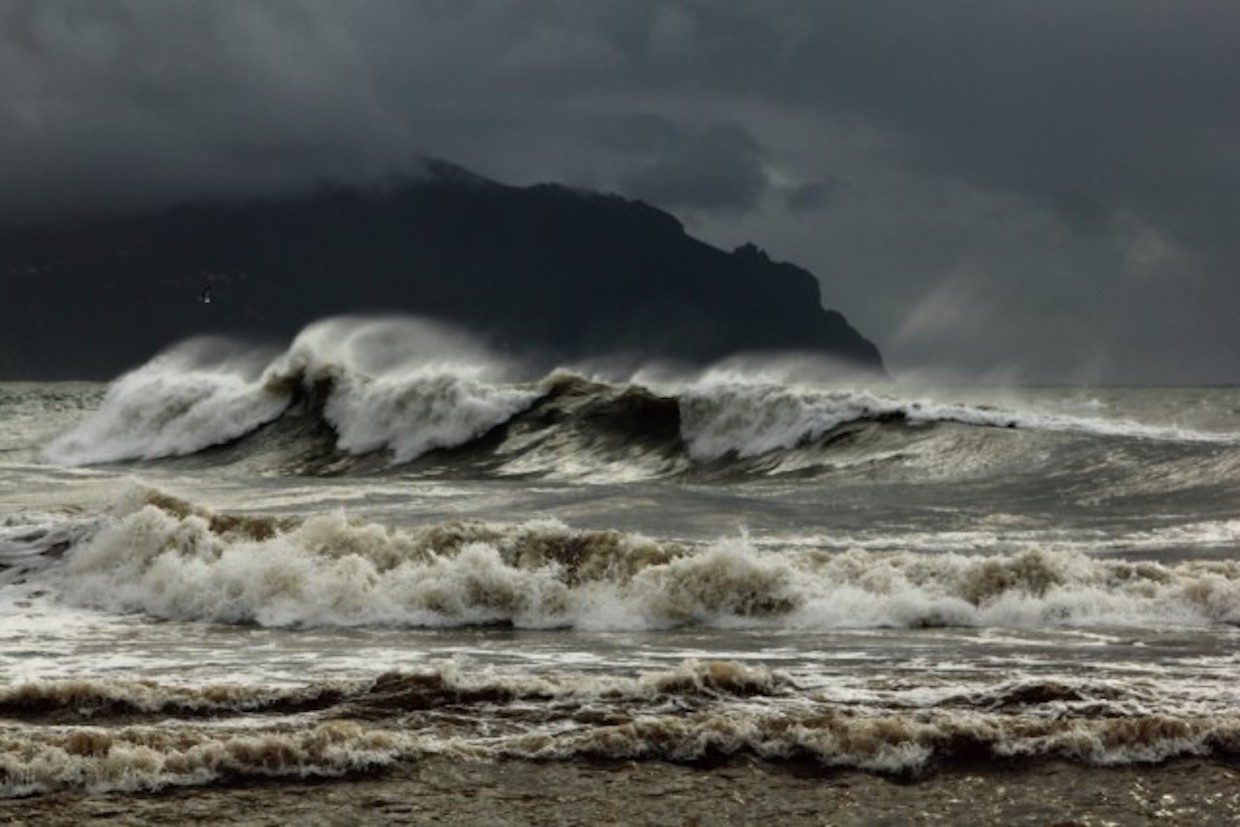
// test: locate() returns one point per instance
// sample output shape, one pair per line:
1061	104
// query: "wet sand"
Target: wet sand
743	792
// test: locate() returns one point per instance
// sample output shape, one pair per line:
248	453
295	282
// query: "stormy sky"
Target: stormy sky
1044	190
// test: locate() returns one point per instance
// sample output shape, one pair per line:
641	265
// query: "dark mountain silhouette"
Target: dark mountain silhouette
546	267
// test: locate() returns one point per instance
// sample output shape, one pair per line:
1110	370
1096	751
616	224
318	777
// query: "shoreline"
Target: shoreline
743	791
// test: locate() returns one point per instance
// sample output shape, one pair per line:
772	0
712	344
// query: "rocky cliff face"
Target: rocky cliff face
546	267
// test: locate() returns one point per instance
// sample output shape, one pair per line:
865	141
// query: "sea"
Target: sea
389	542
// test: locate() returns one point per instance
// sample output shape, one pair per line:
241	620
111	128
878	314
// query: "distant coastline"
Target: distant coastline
543	268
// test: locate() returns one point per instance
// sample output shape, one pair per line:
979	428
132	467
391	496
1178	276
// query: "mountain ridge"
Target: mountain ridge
544	267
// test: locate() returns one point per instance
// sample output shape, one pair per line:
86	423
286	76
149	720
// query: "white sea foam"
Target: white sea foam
406	386
723	413
1205	534
133	759
540	718
885	743
170	562
106	698
199	394
148	758
28	540
416	412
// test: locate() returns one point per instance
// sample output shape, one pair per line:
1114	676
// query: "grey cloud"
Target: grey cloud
1083	159
1084	214
718	167
816	195
108	104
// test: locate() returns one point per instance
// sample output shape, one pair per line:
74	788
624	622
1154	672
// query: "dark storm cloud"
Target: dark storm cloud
1045	187
816	195
718	167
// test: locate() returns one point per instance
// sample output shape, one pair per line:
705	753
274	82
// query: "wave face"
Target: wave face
402	386
367	395
169	559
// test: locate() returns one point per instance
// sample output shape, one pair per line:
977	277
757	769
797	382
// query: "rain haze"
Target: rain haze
991	191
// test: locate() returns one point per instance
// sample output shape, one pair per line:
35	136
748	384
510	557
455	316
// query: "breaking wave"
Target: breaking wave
348	392
167	558
105	699
897	744
181	402
148	758
404	387
375	725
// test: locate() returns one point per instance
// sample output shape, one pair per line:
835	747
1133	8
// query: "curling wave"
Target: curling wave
404	387
347	392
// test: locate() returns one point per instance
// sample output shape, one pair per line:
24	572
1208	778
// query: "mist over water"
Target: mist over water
387	541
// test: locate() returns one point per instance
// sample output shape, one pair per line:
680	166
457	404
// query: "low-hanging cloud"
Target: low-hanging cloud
717	167
1085	156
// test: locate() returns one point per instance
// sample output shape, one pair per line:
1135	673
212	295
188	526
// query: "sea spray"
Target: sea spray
196	395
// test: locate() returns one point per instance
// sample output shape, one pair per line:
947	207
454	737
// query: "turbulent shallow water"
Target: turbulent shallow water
386	543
